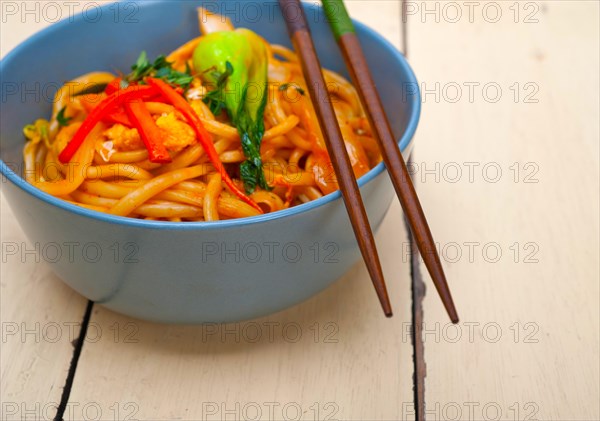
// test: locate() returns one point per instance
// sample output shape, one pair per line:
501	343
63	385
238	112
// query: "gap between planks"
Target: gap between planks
418	288
418	291
77	347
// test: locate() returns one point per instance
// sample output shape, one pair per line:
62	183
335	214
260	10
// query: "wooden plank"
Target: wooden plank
382	15
334	355
40	316
348	362
527	345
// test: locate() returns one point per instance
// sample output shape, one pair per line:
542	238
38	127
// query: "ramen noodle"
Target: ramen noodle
196	135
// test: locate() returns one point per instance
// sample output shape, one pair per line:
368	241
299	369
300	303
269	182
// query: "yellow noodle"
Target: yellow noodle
182	196
183	53
278	73
106	176
64	95
284	52
298	139
311	193
32	171
299	178
118	170
279	142
147	165
234	208
282	128
204	110
134	199
339	86
91	199
108	190
274	111
269	200
184	159
121	157
49	163
75	170
159	107
296	155
164	209
91	207
213	190
231	207
229	157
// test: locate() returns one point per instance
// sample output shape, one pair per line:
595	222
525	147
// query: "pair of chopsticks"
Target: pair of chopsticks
343	30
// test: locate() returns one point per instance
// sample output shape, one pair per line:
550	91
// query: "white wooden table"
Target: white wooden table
507	166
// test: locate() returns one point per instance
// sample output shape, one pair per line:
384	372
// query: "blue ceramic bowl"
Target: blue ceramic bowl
187	272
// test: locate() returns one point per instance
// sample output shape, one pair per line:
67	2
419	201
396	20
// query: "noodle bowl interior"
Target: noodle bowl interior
198	135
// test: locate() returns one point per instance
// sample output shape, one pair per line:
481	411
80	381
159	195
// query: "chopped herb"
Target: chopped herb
287	85
95	88
251	170
215	99
161	68
140	69
60	117
38	132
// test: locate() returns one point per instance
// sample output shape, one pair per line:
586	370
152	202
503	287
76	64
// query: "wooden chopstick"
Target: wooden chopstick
311	68
354	57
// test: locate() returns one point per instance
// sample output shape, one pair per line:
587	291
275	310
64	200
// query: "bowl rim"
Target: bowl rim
404	142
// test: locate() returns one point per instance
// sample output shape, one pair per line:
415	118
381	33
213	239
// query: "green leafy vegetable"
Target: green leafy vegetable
235	62
215	99
161	68
39	131
61	119
285	86
95	88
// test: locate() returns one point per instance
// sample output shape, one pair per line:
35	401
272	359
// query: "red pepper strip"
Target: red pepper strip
90	101
149	131
118	117
117	84
138	114
98	113
203	135
113	86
